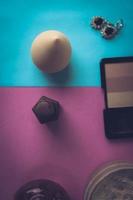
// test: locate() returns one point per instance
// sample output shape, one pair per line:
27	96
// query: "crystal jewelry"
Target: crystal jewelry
111	30
107	29
98	22
119	24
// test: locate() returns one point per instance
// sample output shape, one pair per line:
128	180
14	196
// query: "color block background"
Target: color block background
22	20
67	151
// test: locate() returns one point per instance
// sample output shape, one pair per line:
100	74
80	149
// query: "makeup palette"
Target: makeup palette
117	82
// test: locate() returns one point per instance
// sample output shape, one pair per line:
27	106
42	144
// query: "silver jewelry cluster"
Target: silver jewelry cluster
108	30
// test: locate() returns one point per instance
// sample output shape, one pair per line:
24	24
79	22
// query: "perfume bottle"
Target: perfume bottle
41	190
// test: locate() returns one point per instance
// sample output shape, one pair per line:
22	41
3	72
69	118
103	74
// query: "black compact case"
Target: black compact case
118	121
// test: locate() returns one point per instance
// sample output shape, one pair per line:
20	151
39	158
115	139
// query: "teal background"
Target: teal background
21	21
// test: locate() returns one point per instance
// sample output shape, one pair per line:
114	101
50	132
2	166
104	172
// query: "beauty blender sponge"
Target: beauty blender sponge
51	51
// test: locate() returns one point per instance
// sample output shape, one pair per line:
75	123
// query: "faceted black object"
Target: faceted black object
41	190
46	110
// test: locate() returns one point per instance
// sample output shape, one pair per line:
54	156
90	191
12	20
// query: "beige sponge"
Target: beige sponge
51	51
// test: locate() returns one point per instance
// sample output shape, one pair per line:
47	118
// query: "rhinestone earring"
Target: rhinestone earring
107	29
98	22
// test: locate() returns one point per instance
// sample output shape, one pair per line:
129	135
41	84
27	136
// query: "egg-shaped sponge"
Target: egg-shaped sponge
51	51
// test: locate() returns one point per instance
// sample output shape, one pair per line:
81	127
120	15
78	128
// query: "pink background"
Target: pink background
66	151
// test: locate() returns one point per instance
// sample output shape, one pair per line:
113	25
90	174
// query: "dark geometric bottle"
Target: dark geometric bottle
41	190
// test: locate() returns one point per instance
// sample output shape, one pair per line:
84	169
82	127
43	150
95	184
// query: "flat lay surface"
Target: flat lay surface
70	149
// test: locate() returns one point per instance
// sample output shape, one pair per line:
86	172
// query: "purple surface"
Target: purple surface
66	151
